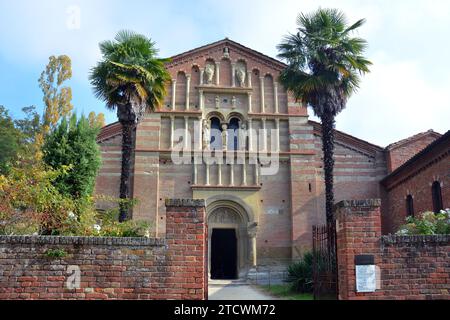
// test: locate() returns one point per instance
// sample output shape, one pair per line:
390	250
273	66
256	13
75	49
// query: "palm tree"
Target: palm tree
324	67
131	80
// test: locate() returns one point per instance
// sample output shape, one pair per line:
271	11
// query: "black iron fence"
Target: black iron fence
325	262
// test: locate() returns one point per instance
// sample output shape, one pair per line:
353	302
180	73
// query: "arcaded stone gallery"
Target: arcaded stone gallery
266	192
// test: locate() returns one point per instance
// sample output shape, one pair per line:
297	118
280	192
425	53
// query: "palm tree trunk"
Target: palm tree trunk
328	124
127	145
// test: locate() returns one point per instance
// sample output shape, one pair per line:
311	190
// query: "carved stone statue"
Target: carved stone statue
233	102
209	73
206	134
224	136
226	52
241	75
217	100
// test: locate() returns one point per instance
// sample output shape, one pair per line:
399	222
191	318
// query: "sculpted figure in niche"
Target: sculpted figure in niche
224	136
209	73
217	102
226	52
241	75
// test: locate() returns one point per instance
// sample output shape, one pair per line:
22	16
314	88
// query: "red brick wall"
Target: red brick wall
416	180
398	155
415	267
112	268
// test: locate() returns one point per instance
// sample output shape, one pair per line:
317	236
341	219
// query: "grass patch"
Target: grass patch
284	292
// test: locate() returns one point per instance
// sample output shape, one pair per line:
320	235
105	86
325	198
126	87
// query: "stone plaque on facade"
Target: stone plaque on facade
366	278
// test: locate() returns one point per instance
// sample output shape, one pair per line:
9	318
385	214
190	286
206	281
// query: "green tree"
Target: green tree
57	97
10	138
325	63
73	144
96	120
131	79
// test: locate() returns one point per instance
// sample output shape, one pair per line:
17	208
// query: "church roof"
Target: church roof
413	138
228	42
350	140
409	166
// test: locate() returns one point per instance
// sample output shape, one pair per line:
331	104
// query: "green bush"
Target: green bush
31	204
428	223
300	274
73	144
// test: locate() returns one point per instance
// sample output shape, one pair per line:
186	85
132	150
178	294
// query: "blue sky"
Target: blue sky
407	92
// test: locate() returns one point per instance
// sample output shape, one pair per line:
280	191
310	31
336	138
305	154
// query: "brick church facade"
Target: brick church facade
265	218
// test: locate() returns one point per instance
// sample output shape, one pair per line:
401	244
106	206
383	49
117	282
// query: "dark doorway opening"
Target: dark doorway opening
224	254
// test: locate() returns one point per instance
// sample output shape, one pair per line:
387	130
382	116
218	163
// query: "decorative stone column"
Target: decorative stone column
275	96
186	133
263	102
231	175
202	99
244	173
172	129
188	90
277	136
195	174
257	174
249	94
249	78
200	130
174	93
233	74
207	175
252	231
250	135
219	174
217	73
264	131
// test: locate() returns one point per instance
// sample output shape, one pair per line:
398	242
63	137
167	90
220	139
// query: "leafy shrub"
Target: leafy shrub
31	204
427	223
300	274
73	144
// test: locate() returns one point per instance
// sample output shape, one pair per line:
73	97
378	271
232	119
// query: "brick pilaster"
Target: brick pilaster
358	233
187	247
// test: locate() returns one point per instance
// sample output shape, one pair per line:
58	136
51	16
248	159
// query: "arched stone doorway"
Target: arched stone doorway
231	240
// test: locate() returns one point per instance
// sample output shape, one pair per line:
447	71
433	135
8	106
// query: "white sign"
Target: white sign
366	278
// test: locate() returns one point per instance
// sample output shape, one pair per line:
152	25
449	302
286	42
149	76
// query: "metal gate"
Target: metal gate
325	262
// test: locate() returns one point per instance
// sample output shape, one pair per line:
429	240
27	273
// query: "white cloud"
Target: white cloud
395	102
406	92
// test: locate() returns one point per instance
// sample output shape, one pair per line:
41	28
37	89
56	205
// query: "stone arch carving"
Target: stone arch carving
216	114
230	212
235	114
233	202
224	215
